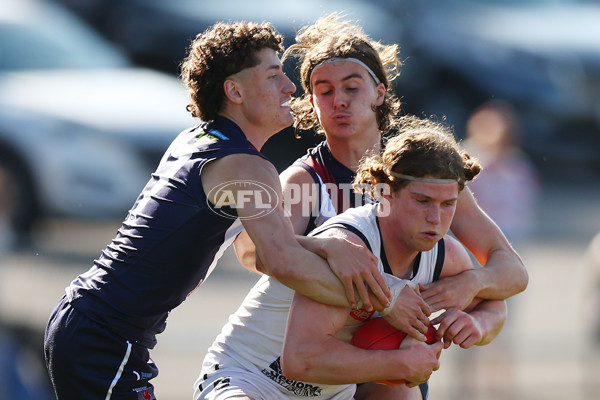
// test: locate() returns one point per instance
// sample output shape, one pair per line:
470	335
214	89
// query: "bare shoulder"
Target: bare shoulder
342	233
295	175
456	259
239	167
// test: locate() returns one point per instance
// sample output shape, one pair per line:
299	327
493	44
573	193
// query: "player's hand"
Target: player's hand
356	266
458	327
410	314
457	291
423	359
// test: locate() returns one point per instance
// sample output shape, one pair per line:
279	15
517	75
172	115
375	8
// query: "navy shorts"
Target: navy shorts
85	360
424	387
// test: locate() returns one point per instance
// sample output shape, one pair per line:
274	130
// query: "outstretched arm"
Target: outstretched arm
503	274
272	233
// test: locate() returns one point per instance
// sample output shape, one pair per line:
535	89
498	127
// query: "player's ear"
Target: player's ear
233	91
380	94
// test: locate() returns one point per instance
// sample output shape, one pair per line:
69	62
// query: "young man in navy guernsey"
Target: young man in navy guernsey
205	189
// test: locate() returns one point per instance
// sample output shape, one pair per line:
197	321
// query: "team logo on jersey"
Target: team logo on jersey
211	135
361	314
145	393
251	199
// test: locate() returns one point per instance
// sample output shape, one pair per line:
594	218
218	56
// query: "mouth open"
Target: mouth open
430	235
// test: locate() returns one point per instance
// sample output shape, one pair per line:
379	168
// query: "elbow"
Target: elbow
302	360
525	278
497	324
296	367
523	281
259	265
502	314
282	268
296	371
249	261
520	273
246	253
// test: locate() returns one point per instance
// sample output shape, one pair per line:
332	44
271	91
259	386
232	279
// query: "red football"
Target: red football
378	334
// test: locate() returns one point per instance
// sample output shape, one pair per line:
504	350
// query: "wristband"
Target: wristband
396	288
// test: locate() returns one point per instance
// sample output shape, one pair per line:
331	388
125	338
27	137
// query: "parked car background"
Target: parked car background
156	33
58	79
543	56
81	127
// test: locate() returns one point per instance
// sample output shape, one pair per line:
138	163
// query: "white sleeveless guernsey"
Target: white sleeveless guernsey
253	337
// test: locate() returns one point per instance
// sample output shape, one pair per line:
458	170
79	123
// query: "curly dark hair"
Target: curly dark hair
421	148
222	50
330	37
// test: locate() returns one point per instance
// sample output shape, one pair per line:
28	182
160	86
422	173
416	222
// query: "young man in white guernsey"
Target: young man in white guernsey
254	358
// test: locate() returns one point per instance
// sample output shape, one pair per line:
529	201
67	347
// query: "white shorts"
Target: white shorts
230	381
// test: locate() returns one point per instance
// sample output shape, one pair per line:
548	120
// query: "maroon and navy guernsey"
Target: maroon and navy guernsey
168	244
330	175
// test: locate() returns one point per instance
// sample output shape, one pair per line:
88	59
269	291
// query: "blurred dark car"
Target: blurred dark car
157	32
81	128
543	56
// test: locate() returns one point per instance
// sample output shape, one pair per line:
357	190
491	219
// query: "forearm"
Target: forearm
502	276
306	273
246	252
337	362
313	244
317	349
352	263
491	315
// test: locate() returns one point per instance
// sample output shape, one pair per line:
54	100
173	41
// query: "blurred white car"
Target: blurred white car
81	128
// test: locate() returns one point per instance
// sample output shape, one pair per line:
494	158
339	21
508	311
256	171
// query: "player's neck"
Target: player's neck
257	135
400	256
349	151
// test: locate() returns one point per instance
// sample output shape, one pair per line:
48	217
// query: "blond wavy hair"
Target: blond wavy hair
331	37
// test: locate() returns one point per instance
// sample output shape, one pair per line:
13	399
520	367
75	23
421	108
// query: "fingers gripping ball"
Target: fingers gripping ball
378	334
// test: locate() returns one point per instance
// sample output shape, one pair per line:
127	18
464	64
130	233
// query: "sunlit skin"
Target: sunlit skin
262	93
344	95
420	214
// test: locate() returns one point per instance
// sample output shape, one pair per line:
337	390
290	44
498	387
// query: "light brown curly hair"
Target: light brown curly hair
222	50
330	37
421	148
